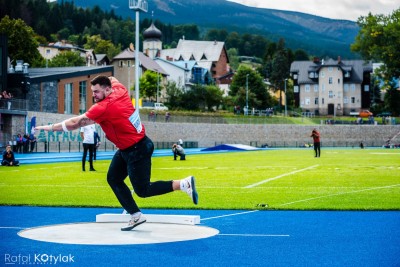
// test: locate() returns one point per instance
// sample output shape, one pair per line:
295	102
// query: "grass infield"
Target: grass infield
342	179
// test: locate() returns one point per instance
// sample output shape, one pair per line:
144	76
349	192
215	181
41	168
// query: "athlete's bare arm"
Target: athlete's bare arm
68	124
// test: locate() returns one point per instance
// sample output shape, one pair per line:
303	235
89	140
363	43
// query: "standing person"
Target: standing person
87	134
20	143
317	143
122	125
96	144
32	141
8	158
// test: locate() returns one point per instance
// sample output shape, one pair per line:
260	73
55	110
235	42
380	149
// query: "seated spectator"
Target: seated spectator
178	151
8	158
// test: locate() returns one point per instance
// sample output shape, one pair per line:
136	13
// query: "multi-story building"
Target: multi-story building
331	87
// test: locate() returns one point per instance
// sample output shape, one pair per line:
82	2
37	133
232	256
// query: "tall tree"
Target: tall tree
280	69
22	44
249	82
379	40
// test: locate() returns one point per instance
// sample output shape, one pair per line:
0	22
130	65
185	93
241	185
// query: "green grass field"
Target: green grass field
342	179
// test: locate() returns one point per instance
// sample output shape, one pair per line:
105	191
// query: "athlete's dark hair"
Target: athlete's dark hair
101	80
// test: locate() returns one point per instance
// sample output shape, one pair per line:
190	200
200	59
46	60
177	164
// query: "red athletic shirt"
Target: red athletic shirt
116	116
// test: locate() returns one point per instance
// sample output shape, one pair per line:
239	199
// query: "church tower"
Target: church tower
152	44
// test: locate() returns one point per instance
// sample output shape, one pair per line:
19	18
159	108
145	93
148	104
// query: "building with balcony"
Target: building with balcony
331	87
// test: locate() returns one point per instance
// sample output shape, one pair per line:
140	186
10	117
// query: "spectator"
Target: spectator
8	158
20	143
167	116
97	143
32	141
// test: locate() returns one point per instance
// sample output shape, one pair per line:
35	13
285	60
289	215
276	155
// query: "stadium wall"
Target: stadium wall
273	135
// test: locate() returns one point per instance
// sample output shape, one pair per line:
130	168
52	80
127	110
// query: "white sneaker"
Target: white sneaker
190	189
136	219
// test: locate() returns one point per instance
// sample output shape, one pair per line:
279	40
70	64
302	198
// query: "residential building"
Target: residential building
124	68
51	50
178	73
210	55
331	87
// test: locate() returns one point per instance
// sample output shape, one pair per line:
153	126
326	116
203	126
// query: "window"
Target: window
353	87
323	101
338	80
316	101
82	97
322	74
120	63
330	94
346	87
315	87
68	98
366	88
353	100
296	89
330	69
345	100
307	101
307	88
323	87
330	80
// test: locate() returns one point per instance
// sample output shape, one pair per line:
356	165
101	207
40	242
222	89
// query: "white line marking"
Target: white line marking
280	176
338	194
255	235
228	215
3	227
55	185
182	168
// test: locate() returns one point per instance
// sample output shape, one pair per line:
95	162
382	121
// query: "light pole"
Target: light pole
247	94
158	85
137	5
285	99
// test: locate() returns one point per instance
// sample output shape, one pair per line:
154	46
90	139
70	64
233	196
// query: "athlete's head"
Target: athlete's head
101	87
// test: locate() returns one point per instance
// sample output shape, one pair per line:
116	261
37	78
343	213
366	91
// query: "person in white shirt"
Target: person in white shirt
87	134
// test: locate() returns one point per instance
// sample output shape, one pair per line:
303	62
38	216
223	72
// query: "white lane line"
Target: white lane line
338	194
55	185
228	215
280	176
255	235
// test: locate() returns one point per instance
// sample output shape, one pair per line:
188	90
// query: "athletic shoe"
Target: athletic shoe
134	221
190	189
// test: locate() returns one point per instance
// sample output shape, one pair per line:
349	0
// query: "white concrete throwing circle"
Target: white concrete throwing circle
110	233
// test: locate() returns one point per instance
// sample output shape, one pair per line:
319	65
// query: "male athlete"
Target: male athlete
122	126
317	142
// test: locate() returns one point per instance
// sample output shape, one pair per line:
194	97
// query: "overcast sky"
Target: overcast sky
337	9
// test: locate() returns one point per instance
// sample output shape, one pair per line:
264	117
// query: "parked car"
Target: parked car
156	106
365	113
384	114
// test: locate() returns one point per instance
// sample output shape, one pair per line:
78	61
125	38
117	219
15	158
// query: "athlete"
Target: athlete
114	112
317	143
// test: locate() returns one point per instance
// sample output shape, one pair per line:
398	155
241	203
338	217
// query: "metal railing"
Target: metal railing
14	104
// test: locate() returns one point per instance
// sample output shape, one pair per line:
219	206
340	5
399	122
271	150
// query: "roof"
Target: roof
145	61
50	74
356	67
195	50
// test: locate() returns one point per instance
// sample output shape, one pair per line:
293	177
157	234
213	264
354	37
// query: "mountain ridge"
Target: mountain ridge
317	35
